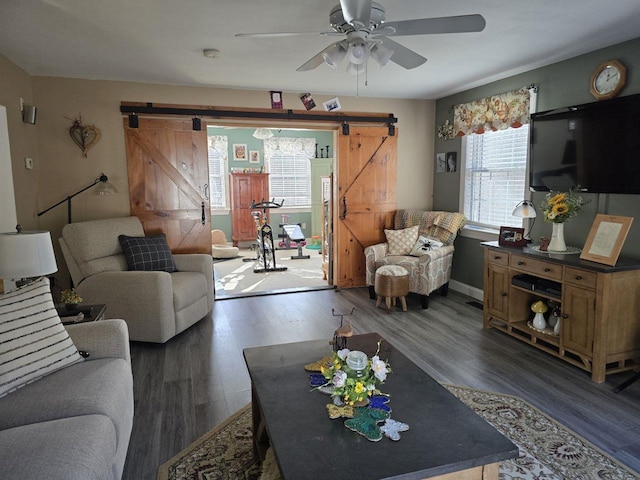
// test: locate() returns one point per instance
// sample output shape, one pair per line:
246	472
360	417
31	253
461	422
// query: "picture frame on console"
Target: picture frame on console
606	238
512	237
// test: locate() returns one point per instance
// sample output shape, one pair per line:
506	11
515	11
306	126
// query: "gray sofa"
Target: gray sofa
74	423
156	305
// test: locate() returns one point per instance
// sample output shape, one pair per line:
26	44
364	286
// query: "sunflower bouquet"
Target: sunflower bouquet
560	207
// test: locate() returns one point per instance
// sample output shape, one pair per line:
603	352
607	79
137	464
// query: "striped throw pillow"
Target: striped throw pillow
33	341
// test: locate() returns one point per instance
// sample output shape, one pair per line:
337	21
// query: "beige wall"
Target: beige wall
60	169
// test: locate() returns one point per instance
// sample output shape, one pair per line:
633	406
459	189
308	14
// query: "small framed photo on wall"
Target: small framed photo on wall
254	156
441	162
452	161
240	153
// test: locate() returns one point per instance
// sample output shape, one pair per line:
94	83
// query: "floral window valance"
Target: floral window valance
289	146
493	113
219	143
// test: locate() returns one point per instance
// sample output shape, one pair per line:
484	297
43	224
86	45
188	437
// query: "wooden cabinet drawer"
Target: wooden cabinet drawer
497	257
537	267
580	277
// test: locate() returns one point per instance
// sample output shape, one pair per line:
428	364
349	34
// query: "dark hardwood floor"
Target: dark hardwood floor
193	382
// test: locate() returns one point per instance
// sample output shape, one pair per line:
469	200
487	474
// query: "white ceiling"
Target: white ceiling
161	41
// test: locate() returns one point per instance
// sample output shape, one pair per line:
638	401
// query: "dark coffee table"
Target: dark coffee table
446	438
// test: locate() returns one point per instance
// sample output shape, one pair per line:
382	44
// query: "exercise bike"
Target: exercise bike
265	251
292	237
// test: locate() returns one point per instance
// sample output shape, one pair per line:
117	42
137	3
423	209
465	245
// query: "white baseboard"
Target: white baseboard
468	290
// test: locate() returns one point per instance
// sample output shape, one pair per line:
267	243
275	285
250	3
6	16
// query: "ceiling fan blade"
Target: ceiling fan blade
282	34
357	12
318	59
402	55
427	26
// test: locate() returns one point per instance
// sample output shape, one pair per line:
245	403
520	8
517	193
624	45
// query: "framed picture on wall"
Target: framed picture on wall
452	161
254	156
441	162
240	153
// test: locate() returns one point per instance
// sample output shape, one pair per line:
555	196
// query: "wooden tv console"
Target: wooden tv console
599	305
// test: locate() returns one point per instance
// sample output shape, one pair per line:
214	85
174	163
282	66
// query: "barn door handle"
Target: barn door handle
344	208
204	217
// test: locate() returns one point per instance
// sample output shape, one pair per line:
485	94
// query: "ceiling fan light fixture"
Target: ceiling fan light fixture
334	56
356	68
358	53
262	133
381	54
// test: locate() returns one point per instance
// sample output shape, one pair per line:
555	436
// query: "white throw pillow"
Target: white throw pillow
33	341
402	241
425	245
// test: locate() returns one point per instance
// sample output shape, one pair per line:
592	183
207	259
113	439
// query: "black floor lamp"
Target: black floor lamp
106	188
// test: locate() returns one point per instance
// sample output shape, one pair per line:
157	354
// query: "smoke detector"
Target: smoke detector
211	52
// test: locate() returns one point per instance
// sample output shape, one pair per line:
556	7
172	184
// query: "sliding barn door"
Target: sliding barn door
168	182
365	198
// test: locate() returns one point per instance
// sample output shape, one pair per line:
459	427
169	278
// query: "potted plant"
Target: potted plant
71	299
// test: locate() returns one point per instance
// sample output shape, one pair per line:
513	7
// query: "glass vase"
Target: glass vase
557	239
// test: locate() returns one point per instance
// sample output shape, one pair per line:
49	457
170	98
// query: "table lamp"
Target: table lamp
525	209
25	255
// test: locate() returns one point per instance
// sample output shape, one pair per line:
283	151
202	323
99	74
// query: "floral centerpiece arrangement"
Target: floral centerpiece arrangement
354	377
560	207
70	298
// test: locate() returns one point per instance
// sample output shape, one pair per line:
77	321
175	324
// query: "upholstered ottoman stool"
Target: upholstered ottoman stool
391	282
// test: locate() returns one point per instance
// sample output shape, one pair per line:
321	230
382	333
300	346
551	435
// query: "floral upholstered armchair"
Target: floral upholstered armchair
421	242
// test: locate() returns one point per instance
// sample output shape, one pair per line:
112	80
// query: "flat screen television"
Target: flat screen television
595	146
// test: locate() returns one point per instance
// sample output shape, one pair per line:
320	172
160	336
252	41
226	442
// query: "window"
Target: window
290	169
218	145
494	176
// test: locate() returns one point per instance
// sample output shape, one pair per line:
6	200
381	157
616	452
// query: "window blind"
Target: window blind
217	159
495	167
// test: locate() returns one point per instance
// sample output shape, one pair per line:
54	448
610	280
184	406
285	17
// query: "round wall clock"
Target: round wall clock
608	80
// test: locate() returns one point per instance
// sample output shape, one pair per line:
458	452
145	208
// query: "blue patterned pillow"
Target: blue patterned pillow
147	253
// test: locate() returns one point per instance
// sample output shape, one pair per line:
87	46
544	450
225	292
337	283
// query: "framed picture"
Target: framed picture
307	101
606	238
276	99
452	161
512	237
254	156
332	105
441	162
240	153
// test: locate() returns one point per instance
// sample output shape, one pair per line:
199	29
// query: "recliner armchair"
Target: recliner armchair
156	305
429	271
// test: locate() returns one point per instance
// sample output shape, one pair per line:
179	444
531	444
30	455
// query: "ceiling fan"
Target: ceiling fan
363	24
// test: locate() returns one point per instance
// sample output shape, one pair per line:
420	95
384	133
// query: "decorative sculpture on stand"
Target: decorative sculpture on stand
343	332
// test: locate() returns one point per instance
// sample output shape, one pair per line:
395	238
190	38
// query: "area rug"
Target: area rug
548	450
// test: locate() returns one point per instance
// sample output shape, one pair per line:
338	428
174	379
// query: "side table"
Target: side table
91	313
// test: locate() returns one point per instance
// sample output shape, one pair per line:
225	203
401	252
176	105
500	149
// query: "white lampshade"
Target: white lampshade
355	69
525	209
358	53
26	255
381	54
334	55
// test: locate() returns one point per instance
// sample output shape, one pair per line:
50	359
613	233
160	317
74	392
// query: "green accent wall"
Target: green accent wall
560	84
244	136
